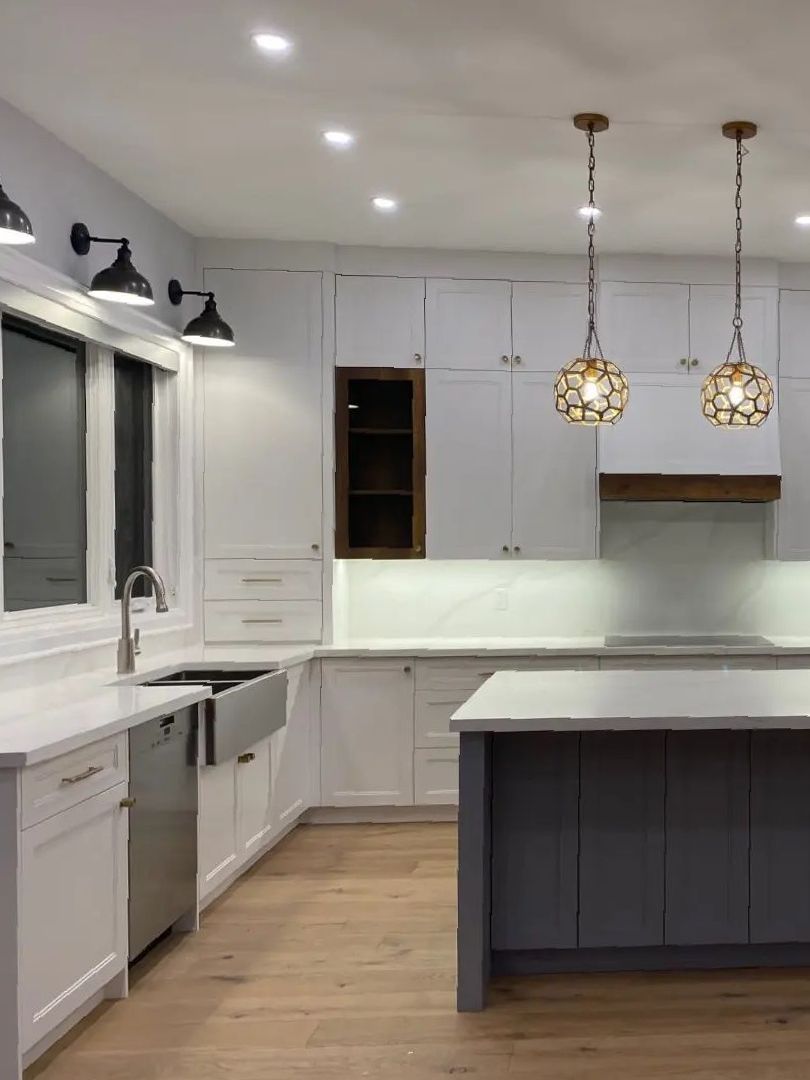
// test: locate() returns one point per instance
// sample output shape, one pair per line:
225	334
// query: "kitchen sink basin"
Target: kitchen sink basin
245	706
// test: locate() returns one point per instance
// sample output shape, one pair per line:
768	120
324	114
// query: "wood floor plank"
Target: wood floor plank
334	959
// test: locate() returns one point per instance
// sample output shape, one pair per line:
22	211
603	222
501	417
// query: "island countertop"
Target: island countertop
678	700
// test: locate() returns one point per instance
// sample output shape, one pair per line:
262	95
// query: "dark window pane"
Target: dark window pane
44	497
133	470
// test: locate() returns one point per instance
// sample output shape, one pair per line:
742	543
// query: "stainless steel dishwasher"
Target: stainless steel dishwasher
162	825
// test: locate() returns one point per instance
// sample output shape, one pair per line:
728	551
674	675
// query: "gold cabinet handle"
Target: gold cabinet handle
128	803
316	547
59	580
517	360
261	580
694	362
504	359
505	548
683	361
77	779
407	669
249	622
417	358
245	759
516	549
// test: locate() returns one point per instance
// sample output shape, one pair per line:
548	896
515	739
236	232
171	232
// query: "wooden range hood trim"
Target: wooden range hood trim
675	487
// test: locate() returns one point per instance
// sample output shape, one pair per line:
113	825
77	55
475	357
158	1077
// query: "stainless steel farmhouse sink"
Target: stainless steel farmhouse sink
245	706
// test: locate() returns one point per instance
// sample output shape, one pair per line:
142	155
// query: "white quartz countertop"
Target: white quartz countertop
637	700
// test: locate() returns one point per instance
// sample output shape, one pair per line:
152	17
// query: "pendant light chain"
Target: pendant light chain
737	321
592	338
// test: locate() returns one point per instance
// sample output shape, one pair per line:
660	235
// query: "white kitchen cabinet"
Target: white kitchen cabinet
263	419
554	495
549	321
711	308
794	334
257	621
254	785
73	910
645	327
468	324
293	787
367	733
664	431
793	509
433	710
379	321
469	464
435	777
218	830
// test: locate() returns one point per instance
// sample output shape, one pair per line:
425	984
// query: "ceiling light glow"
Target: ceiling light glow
272	43
590	211
340	139
803	220
384	203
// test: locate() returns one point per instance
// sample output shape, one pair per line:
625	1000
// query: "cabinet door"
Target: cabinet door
793	509
548	324
535	805
664	430
468	434
254	783
435	777
380	321
292	763
780	825
219	854
794	334
73	930
367	733
645	327
553	476
707	837
263	419
711	308
468	324
621	865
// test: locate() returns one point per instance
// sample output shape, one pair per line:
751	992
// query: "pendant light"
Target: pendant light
590	389
209	330
737	394
15	225
120	283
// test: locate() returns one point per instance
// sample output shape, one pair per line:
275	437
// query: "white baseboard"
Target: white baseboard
377	815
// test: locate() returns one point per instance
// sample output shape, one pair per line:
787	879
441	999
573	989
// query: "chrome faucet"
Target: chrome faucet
126	643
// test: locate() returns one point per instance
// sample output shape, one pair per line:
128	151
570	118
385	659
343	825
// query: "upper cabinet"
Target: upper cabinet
468	324
263	419
380	321
710	312
794	334
549	320
645	327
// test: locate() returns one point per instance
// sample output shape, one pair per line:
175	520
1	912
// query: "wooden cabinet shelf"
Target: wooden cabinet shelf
380	463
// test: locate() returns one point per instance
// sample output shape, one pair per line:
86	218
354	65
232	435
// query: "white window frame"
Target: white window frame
40	295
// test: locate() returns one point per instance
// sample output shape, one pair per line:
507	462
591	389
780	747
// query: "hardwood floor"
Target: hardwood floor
334	959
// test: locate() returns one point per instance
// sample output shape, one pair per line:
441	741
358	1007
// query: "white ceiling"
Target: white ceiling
461	107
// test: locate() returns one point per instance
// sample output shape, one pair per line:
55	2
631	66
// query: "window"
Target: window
133	470
44	461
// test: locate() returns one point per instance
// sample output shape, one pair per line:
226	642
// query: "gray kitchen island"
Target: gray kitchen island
632	820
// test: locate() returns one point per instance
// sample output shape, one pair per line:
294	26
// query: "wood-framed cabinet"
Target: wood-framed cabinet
379	463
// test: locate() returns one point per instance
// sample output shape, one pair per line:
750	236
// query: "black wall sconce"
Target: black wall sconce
15	226
209	330
120	283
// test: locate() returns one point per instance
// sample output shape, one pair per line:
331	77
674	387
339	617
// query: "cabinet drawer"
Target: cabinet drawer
262	620
432	717
435	777
469	673
262	579
56	785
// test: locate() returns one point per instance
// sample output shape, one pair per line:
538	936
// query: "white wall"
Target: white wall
666	568
57	186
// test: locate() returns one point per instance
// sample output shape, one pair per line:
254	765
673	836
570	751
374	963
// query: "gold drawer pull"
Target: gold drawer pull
59	580
127	804
77	779
262	580
250	622
245	759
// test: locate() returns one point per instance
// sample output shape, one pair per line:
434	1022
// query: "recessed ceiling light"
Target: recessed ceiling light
803	220
340	139
272	43
384	202
590	211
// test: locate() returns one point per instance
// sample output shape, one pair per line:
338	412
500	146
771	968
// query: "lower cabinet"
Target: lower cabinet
295	751
73	932
367	733
435	777
218	825
254	785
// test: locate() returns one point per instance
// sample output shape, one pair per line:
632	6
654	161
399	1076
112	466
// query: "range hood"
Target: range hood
664	450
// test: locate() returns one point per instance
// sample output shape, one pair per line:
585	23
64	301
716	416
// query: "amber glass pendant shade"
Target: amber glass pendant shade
737	394
591	391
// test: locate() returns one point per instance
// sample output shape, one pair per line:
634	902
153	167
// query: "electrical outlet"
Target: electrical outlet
502	599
